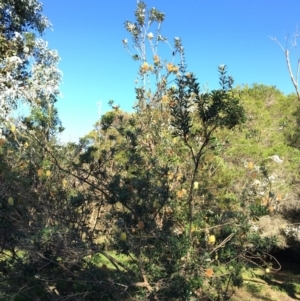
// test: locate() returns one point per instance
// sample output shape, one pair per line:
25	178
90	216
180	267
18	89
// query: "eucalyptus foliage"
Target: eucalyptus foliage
29	70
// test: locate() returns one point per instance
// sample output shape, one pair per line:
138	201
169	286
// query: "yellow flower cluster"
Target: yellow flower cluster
123	236
146	67
165	98
172	68
250	165
181	193
211	239
40	173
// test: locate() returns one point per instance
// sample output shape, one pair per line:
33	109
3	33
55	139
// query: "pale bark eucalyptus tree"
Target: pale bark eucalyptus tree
29	76
291	43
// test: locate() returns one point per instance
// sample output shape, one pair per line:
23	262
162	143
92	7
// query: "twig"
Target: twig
228	238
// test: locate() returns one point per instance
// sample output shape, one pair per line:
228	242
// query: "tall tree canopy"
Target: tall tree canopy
28	69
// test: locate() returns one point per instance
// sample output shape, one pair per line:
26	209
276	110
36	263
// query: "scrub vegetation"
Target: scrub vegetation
189	197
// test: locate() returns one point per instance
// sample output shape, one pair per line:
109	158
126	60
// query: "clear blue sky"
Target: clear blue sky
88	36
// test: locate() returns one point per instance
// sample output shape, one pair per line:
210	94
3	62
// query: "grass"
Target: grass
254	288
283	285
103	261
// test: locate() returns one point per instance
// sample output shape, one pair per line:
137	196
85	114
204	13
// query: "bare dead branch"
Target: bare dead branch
286	51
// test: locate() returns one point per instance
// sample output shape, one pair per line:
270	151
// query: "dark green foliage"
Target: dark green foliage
182	101
258	210
107	120
219	107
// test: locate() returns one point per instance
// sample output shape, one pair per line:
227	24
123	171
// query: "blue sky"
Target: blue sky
88	36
